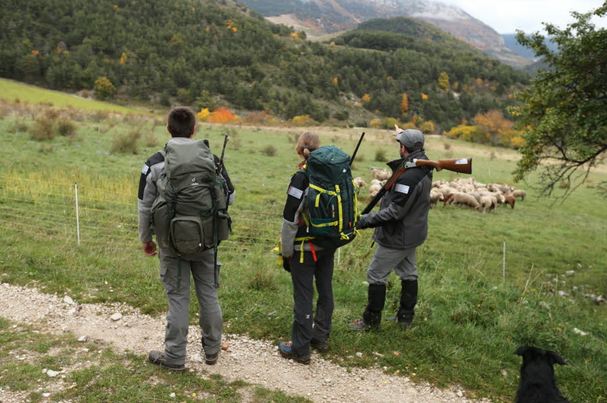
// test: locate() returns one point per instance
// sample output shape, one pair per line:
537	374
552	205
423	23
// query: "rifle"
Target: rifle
356	149
463	165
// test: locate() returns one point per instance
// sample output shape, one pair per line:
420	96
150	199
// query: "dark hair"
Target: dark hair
181	122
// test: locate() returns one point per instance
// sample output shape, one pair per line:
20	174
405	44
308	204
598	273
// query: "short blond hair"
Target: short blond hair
306	143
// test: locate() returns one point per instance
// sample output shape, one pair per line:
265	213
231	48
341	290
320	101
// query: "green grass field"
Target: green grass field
15	91
470	317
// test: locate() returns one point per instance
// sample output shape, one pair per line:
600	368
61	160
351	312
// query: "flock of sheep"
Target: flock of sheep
464	192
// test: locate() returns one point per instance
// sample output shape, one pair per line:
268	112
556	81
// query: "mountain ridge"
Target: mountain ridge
318	17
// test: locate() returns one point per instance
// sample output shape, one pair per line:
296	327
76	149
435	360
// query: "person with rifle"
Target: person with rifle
318	217
184	189
401	225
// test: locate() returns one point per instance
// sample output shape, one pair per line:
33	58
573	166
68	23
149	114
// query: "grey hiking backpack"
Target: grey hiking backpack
190	214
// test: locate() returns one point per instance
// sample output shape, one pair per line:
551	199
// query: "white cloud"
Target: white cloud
505	16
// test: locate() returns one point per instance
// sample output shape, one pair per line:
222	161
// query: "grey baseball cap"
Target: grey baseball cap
413	139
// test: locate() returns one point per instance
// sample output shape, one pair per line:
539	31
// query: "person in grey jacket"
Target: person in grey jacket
175	270
401	225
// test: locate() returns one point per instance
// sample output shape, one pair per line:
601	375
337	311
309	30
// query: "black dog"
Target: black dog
537	384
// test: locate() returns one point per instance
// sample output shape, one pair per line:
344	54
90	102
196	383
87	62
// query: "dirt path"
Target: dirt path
254	361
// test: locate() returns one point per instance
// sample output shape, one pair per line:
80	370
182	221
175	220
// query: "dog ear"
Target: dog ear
555	358
521	350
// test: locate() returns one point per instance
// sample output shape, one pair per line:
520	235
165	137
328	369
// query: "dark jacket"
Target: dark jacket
402	221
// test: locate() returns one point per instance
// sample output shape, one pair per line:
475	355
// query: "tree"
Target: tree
563	111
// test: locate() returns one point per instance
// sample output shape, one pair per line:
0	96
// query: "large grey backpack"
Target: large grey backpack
190	213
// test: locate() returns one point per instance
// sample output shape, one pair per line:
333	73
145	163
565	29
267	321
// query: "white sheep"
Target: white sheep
381	174
463	198
359	182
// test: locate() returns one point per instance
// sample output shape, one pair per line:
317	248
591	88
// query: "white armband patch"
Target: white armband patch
145	169
296	193
401	188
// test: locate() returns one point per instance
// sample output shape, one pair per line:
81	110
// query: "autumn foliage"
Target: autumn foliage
221	115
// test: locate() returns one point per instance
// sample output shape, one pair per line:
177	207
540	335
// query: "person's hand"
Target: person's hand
362	223
285	264
149	248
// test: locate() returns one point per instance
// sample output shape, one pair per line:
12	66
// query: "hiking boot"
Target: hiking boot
405	322
320	346
211	359
286	350
158	358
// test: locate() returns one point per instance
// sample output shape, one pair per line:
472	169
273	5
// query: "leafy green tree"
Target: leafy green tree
563	111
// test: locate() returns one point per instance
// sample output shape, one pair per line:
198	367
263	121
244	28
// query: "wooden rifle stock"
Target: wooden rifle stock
462	165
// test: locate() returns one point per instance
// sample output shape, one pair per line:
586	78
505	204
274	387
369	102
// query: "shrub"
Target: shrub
389	123
150	139
43	128
269	150
66	127
428	127
222	115
375	123
104	88
380	155
126	143
302	120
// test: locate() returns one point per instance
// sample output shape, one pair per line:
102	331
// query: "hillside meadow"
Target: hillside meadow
472	314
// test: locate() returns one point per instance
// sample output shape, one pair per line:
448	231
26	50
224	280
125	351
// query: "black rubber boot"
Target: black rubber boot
372	315
408	300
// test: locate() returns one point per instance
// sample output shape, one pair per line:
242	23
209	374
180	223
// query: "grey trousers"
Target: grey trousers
308	325
402	261
175	275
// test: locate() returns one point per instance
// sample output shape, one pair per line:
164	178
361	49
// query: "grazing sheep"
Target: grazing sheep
435	197
510	200
519	193
359	182
537	383
381	174
487	202
374	188
463	198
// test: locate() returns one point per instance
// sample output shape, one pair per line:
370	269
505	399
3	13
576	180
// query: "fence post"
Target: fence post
77	214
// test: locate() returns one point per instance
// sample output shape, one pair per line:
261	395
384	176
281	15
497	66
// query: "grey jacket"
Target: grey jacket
402	221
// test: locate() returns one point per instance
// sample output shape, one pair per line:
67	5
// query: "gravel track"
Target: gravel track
254	361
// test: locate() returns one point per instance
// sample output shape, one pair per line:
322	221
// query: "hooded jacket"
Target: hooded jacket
402	221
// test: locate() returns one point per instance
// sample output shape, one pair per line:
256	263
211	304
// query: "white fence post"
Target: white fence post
77	214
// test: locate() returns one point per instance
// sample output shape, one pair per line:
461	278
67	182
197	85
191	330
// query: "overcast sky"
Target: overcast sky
505	16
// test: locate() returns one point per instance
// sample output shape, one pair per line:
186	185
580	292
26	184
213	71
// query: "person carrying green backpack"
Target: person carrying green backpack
318	217
184	194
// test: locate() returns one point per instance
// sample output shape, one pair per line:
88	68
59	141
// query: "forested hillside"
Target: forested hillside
209	53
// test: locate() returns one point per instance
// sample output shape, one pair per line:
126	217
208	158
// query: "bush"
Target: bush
43	128
126	143
66	127
428	127
104	88
380	155
302	120
269	150
150	139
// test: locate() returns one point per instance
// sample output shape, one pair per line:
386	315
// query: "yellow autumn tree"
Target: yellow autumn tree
494	124
424	96
404	103
203	115
366	98
443	81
